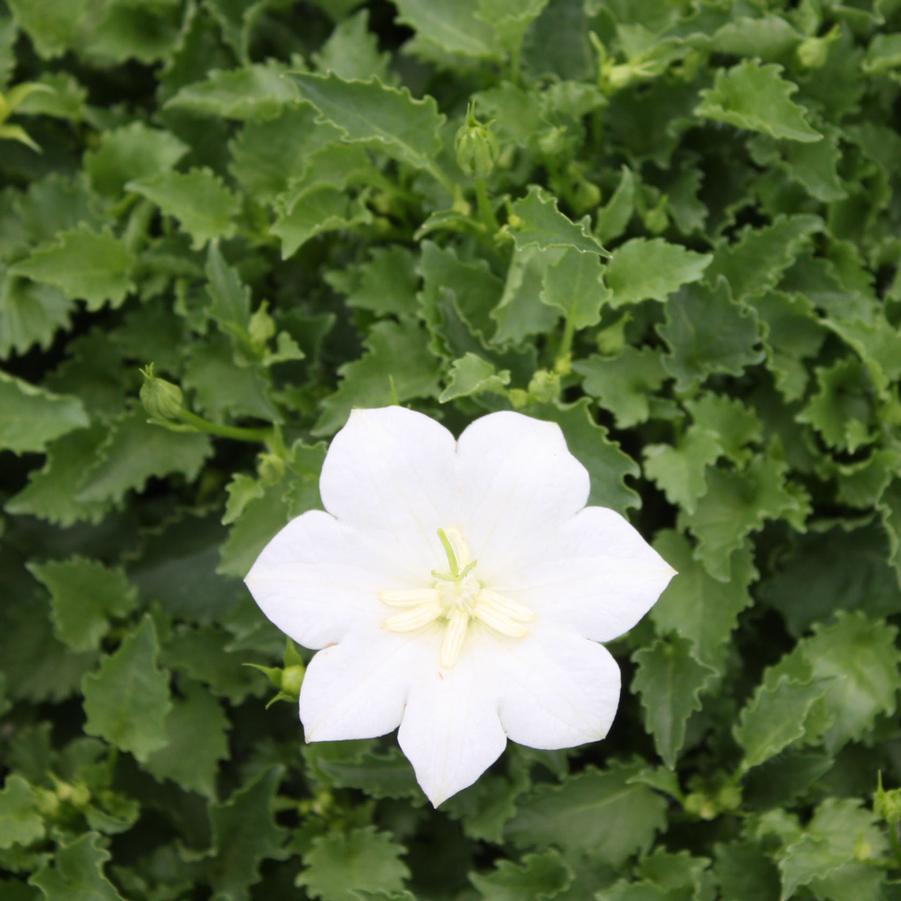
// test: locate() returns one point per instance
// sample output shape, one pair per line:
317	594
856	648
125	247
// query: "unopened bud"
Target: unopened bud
161	399
476	146
813	52
887	804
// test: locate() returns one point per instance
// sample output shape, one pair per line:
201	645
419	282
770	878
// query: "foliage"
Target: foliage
673	228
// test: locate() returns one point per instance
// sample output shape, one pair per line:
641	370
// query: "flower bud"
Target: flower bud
887	804
161	399
476	146
812	52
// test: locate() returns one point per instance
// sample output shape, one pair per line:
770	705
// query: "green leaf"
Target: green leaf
680	470
698	607
204	207
842	410
132	151
521	312
126	701
30	417
373	113
354	765
244	834
396	368
738	503
256	92
779	714
91	266
30	314
707	332
20	819
362	858
352	50
196	741
643	269
595	811
135	451
575	286
756	97
84	596
611	220
385	283
745	872
735	424
471	375
445	29
76	873
670	682
540	876
831	856
535	221
623	384
310	211
605	461
49	494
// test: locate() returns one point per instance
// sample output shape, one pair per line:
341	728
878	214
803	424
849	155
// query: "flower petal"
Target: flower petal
317	580
595	574
358	688
391	471
450	731
517	477
560	690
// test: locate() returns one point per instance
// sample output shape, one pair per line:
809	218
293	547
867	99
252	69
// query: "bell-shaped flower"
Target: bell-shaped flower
457	589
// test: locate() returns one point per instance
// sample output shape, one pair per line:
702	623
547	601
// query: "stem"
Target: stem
564	351
444	180
237	433
483	202
896	844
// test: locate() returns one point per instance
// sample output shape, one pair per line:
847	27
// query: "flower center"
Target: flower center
455	597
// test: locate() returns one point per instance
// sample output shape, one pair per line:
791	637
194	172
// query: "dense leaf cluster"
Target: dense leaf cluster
673	228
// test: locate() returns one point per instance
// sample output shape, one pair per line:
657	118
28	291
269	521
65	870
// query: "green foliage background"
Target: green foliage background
685	252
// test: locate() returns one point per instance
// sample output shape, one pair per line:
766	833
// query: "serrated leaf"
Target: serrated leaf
520	311
132	151
643	269
244	834
127	700
698	607
196	741
670	681
707	332
595	811
353	765
842	408
470	375
204	207
31	313
746	872
136	450
611	220
20	820
255	92
373	113
445	29
575	286
361	858
76	872
397	367
84	596
738	503
91	266
540	876
680	470
536	221
384	284
30	417
756	97
735	424
352	50
623	384
310	211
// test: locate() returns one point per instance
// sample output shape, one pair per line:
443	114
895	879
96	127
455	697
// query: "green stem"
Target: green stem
895	842
483	202
237	433
564	351
444	180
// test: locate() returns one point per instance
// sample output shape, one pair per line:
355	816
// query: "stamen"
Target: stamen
461	548
454	635
500	622
506	606
409	597
413	619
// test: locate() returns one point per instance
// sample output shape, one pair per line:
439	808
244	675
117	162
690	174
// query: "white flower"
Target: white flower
457	589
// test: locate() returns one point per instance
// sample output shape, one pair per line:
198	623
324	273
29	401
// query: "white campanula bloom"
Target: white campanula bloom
457	589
